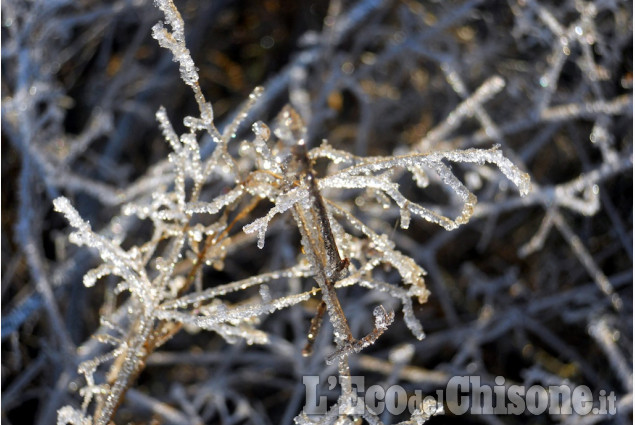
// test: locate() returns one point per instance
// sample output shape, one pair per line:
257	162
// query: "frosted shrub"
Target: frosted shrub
177	267
338	249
